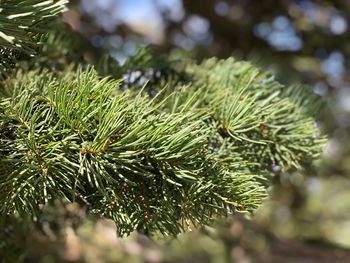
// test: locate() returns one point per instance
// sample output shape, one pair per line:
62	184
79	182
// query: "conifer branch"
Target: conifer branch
162	164
22	27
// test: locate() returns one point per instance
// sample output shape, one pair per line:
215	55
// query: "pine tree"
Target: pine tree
158	145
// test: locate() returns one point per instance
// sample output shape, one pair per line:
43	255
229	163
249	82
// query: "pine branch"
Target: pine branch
21	27
271	124
161	163
74	141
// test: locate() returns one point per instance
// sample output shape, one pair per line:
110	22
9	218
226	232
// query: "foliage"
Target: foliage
22	25
150	164
161	147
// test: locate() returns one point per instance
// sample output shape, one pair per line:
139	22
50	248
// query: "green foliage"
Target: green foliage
271	124
22	27
162	164
159	153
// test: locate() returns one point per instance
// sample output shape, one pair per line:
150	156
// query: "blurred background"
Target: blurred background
300	41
